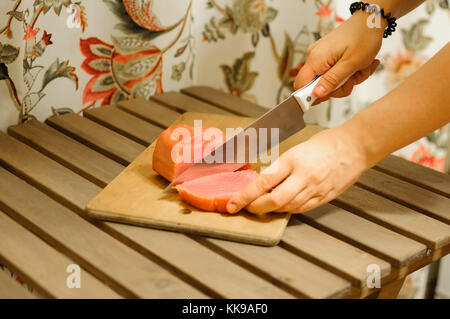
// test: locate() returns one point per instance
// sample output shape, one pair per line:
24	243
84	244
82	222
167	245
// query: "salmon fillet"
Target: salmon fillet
212	192
166	166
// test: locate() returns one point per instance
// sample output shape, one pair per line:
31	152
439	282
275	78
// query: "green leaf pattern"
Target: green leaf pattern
8	53
414	38
59	70
238	77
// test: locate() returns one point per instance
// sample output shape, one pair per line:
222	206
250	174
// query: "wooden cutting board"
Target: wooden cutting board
135	197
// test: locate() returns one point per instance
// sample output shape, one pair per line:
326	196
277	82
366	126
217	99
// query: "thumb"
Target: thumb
332	79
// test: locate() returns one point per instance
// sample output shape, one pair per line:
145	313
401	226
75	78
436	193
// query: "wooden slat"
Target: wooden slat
221	275
330	253
399	250
418	226
416	174
150	111
79	158
17	156
279	265
391	290
226	101
96	136
184	103
10	289
122	268
146	238
124	123
42	266
413	196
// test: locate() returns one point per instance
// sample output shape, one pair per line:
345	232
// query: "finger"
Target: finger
347	88
332	78
318	101
319	191
259	186
343	91
374	66
357	78
278	197
305	75
311	48
298	201
314	202
364	74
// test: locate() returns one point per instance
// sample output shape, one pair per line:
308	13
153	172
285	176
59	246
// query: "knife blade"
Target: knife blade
287	117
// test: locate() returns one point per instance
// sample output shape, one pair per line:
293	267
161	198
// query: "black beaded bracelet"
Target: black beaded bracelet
391	20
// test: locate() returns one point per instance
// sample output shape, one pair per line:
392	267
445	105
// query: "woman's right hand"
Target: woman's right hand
349	50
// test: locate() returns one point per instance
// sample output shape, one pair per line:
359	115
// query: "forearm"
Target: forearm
417	107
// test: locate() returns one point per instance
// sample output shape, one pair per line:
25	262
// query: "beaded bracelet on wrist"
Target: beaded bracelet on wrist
355	6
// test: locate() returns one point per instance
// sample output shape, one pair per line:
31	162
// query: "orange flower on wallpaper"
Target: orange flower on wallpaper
422	157
46	38
339	19
142	14
324	11
31	33
116	76
402	65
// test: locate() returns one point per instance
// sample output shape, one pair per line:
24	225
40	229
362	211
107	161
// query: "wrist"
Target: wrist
357	133
372	24
347	148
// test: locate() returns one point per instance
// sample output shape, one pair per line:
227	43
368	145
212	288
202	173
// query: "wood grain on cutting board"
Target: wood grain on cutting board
135	196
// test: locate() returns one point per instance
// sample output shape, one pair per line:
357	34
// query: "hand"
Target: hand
349	50
308	175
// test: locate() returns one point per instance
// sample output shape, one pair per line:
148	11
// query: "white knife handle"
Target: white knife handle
306	97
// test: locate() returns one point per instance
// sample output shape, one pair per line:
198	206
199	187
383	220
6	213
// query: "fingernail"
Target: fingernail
320	91
231	208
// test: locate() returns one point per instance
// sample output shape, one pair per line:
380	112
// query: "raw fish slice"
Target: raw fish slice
212	192
164	164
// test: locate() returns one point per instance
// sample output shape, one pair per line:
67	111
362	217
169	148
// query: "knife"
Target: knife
286	116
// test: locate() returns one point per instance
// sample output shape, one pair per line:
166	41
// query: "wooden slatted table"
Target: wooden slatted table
397	216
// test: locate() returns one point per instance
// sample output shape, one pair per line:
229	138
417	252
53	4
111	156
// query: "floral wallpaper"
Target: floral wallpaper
63	56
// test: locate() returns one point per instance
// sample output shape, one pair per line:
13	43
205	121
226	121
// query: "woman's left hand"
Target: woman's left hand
306	176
